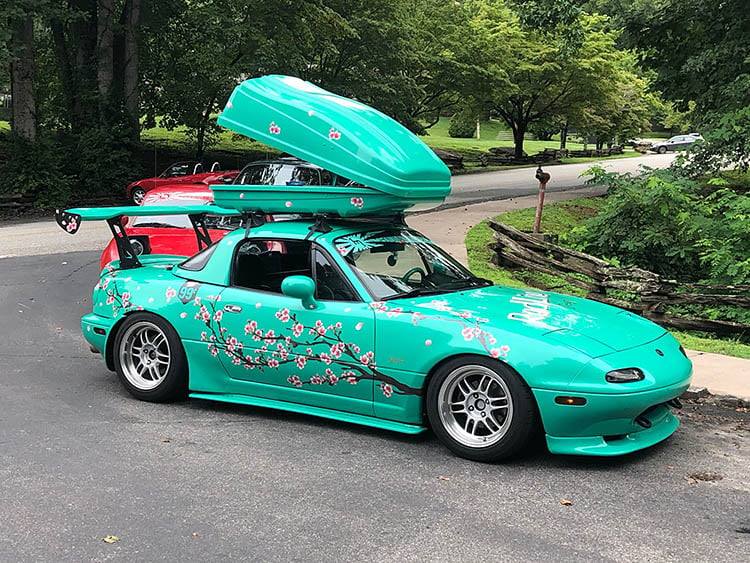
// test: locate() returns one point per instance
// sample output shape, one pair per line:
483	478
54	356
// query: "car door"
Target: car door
320	356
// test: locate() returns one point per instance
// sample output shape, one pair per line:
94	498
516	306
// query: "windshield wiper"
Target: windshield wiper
157	225
416	292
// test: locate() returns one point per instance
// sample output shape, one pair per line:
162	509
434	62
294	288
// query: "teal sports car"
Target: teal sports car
345	312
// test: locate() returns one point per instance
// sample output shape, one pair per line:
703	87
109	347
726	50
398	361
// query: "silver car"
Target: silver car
676	143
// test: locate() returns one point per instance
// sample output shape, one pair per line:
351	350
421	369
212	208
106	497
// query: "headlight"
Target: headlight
625	375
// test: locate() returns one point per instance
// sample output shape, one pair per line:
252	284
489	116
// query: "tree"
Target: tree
545	81
699	50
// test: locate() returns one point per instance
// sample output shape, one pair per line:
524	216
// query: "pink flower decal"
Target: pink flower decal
334	135
357	202
170	293
218	315
301	361
297	329
250	327
283	315
395	312
379	306
274	129
294	380
387	389
72	225
273	363
110	300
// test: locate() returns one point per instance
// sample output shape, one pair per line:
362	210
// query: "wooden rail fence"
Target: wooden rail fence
651	294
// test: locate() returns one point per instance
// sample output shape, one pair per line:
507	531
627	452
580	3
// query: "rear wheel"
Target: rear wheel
480	409
149	359
137	195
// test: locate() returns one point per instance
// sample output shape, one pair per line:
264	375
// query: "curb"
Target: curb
703	395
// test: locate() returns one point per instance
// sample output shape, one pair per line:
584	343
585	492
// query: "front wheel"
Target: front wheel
662	150
149	359
137	195
480	409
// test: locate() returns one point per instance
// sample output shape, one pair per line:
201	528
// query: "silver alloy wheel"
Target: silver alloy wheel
474	405
138	194
144	355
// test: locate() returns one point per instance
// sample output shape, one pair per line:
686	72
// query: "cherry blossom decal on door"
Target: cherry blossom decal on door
337	360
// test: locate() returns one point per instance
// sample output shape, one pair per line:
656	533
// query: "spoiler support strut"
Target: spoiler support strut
128	257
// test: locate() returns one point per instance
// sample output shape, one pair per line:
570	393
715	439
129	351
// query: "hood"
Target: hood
588	326
339	134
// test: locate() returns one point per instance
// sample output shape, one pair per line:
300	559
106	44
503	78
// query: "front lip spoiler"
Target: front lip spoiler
663	425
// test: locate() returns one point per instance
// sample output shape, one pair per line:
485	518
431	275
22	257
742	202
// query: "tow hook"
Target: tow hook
94	350
676	403
643	421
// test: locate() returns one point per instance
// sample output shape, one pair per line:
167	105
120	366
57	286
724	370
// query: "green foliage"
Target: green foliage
103	161
726	145
463	124
35	169
699	49
666	223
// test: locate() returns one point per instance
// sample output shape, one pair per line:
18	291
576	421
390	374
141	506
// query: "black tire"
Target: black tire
482	386
662	150
137	194
150	360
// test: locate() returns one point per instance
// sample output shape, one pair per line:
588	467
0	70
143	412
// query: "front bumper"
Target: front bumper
606	425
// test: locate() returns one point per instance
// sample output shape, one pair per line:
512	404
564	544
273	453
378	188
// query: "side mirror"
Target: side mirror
301	287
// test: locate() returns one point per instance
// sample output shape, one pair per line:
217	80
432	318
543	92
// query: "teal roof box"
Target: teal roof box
344	136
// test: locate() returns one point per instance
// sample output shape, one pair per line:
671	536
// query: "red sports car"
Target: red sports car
188	172
171	234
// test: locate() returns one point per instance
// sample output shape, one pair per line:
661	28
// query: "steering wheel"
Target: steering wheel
410	273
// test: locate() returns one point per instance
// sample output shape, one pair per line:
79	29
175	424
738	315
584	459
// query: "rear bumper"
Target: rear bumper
96	331
606	425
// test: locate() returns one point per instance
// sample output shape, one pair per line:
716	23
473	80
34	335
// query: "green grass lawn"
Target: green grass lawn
178	140
438	138
560	218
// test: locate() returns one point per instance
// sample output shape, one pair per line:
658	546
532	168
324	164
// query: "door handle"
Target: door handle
232	309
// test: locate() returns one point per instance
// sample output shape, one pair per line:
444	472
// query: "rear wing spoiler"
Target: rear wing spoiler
70	221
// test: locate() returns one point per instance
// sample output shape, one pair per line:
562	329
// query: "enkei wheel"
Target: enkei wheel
662	150
150	360
137	195
480	409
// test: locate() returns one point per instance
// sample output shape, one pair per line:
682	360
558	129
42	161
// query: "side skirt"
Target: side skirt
315	411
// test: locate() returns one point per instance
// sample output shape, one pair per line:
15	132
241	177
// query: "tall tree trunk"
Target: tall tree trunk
519	129
105	39
564	136
130	92
23	102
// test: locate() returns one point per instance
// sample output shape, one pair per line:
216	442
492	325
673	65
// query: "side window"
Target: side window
326	178
304	176
252	175
330	283
263	264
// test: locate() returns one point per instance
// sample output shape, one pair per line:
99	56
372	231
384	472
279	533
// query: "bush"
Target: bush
463	124
664	223
36	169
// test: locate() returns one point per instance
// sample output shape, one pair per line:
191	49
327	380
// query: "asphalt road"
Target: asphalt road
503	184
23	237
195	481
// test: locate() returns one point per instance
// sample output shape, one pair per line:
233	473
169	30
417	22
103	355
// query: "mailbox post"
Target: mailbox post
543	178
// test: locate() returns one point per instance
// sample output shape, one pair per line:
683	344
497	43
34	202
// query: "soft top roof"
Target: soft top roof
339	134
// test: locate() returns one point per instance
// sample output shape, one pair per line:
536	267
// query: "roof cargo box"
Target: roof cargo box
344	136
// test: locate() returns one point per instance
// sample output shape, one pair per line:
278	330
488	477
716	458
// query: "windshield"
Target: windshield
402	263
228	223
279	175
